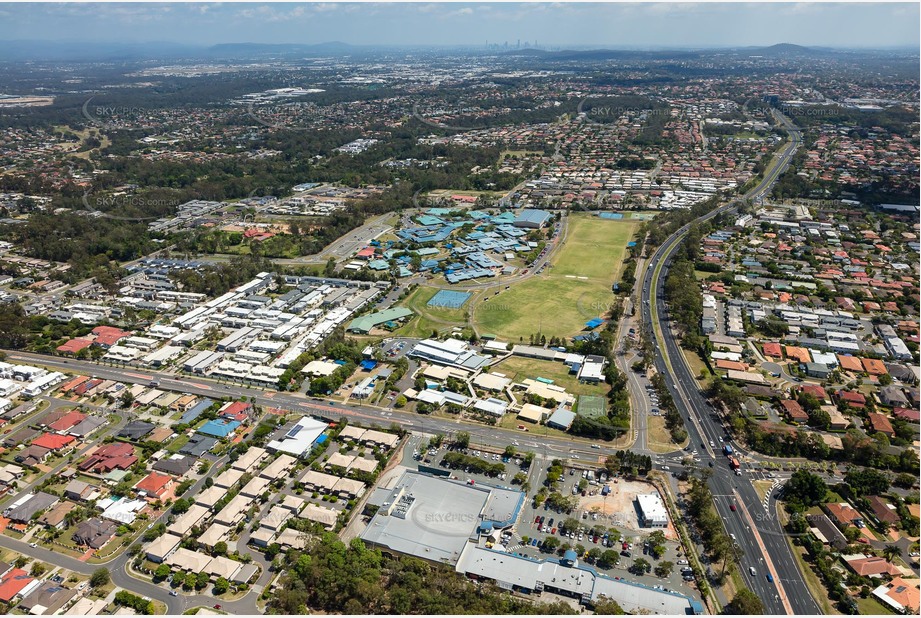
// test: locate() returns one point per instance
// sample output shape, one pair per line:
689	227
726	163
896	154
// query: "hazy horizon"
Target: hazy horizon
577	25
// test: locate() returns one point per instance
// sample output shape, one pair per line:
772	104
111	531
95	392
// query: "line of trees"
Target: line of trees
332	577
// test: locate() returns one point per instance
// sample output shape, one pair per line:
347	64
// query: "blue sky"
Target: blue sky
430	23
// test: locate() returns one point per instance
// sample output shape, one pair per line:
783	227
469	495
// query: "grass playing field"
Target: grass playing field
429	318
576	289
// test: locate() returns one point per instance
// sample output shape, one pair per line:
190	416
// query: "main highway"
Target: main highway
754	524
756	530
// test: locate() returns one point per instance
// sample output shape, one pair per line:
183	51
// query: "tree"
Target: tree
805	489
891	552
867	481
604	606
551	543
179	579
202	580
462	439
221	585
744	603
640	566
100	578
609	558
162	572
400	401
181	505
220	548
38	569
664	569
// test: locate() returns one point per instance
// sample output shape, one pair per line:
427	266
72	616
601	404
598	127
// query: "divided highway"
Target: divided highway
757	531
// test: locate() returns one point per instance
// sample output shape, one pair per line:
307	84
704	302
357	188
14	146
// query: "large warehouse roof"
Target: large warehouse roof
432	518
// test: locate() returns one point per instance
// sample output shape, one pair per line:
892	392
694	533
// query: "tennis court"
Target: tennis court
449	299
591	406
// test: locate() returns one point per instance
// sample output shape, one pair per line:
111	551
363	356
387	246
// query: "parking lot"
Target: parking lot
605	523
434	457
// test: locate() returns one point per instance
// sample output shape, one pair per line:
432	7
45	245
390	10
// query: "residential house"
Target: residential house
794	411
94	532
844	515
883	511
108	457
893	396
47	599
13	583
872	566
155	485
56	516
853	399
902	595
829	532
880	423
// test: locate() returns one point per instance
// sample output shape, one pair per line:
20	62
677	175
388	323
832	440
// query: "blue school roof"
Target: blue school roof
594	323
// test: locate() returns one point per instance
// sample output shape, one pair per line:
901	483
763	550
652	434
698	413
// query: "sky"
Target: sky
553	25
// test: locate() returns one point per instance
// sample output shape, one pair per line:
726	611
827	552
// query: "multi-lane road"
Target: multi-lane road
756	529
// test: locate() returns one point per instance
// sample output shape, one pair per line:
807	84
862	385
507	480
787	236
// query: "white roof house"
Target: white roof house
300	438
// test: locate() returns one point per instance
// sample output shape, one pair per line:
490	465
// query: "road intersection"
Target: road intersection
753	527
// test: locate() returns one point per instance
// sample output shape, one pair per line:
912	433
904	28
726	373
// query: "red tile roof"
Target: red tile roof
873	566
13	583
67	421
108	457
908	414
109	335
154	484
52	441
794	410
873	366
882	510
236	410
815	390
853	398
850	363
880	423
842	512
74	345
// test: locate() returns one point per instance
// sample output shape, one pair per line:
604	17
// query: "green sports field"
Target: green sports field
427	318
576	289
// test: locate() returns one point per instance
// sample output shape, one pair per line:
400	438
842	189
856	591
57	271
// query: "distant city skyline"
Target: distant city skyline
559	25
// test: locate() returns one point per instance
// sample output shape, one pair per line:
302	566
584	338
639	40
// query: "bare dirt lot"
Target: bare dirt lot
618	508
